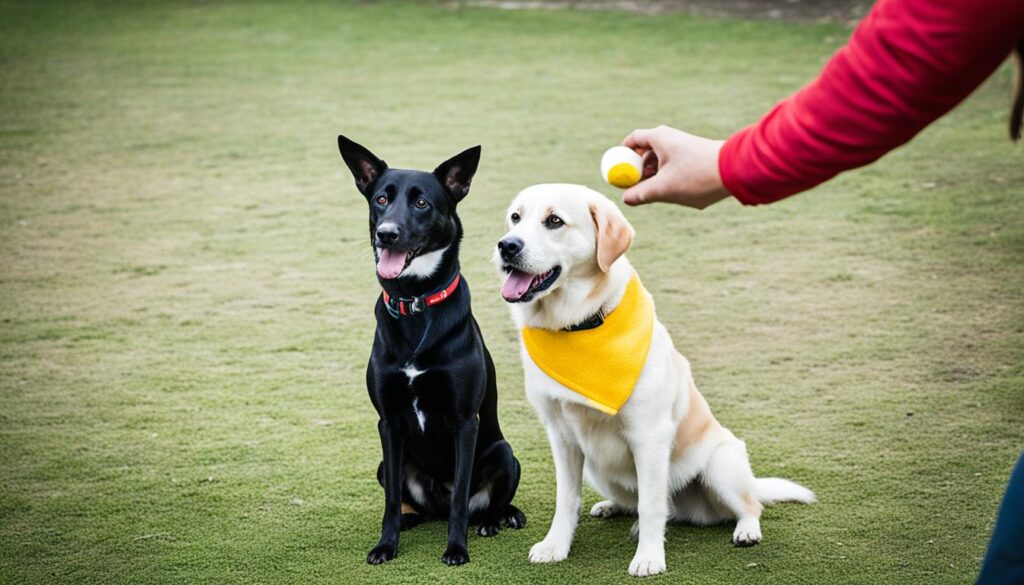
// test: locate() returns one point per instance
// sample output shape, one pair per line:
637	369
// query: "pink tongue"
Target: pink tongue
516	285
391	263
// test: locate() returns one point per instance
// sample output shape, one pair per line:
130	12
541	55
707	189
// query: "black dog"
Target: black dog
430	376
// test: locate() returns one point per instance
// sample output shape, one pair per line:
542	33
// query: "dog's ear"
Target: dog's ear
614	234
457	172
365	167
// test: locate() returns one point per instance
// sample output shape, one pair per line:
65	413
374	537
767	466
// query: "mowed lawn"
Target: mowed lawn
186	289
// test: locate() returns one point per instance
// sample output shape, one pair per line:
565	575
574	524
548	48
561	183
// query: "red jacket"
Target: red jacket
907	63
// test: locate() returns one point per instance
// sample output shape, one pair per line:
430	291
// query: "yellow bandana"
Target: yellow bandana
603	363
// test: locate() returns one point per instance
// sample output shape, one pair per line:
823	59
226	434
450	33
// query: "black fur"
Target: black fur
460	449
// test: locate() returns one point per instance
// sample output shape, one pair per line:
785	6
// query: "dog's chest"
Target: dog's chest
419	411
600	436
601	439
414	385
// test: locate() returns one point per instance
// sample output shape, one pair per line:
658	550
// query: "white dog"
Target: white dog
662	454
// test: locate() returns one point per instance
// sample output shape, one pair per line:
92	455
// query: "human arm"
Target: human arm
908	63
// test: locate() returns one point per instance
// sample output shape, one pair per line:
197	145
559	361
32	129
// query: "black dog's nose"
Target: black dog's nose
509	248
387	233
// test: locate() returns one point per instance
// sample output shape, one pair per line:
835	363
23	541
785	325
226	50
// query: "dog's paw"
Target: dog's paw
747	533
488	529
382	553
547	551
605	509
455	555
645	566
514	518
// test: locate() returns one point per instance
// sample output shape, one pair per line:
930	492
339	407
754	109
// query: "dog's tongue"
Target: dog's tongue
390	263
516	285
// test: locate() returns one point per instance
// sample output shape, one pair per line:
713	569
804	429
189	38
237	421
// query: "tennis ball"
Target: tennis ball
621	167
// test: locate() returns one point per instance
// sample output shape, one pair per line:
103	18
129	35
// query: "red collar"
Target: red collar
407	307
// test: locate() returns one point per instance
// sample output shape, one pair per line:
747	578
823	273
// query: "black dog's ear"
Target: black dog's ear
365	167
457	172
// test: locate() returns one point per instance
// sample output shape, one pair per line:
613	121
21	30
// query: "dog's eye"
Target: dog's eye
382	199
515	218
553	222
421	203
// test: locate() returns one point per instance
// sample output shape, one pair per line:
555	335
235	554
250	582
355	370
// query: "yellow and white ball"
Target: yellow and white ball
622	167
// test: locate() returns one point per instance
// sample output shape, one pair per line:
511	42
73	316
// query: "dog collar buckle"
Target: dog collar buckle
415	304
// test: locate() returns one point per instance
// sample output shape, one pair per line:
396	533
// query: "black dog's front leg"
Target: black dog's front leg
458	519
387	548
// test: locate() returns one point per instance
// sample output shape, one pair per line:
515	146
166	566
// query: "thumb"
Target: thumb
646	191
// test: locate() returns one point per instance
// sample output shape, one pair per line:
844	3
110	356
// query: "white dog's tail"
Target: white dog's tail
772	490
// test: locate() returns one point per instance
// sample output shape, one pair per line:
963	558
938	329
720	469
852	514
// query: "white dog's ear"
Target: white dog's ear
614	234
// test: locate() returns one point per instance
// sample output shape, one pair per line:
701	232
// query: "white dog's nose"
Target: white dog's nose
509	248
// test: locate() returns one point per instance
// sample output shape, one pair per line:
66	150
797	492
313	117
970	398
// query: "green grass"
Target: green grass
186	291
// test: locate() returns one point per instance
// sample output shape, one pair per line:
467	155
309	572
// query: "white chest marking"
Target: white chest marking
421	417
412	373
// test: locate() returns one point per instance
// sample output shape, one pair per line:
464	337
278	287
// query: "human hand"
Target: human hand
678	168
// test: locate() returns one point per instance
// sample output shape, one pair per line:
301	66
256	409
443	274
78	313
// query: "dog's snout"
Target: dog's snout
509	248
387	233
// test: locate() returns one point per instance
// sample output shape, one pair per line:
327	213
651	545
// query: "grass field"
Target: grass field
186	291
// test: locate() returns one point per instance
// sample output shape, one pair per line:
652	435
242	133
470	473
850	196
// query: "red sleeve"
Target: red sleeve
907	63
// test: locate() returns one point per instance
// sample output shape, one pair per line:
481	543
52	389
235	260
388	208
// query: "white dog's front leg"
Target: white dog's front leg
568	477
651	454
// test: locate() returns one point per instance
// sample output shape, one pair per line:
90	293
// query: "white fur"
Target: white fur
606	509
633	458
480	500
421	417
424	266
412	373
415	488
771	490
